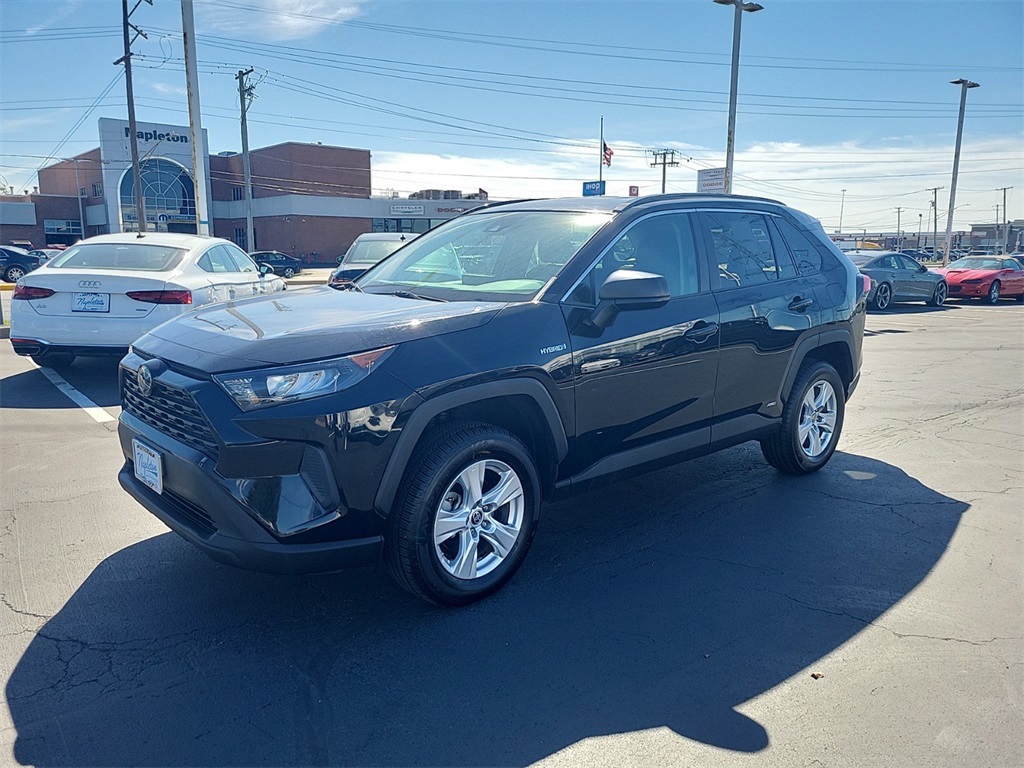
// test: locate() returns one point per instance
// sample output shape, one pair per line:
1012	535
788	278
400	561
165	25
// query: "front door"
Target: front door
650	376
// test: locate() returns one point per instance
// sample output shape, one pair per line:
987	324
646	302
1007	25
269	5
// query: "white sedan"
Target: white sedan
100	295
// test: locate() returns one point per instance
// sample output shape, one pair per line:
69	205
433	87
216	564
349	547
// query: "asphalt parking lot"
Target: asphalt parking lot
713	613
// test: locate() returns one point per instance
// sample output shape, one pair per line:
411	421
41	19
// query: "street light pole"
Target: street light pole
730	139
842	205
899	229
920	223
964	84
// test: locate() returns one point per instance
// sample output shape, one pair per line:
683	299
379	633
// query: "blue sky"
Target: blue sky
507	95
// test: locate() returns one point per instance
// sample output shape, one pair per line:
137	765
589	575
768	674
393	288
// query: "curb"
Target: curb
6	286
5	331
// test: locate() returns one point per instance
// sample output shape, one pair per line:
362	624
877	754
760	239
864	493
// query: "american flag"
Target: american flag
607	155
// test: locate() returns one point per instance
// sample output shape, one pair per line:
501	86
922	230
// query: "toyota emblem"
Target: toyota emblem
89	283
144	378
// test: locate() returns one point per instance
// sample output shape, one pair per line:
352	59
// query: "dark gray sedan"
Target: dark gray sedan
897	277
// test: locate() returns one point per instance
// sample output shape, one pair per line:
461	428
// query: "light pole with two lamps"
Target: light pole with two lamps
740	7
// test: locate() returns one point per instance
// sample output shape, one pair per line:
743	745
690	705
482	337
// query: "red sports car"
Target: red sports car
985	277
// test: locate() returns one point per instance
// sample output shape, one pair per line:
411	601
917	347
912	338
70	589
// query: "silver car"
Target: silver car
898	277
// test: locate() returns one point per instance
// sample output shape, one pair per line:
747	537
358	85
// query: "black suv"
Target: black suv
518	352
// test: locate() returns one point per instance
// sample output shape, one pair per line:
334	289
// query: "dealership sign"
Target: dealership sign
177	138
407	210
711	180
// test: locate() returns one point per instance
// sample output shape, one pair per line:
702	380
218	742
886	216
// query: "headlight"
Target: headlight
272	386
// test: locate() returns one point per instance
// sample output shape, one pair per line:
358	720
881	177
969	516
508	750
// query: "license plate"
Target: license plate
148	466
90	302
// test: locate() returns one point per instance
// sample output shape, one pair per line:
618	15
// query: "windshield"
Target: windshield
974	262
133	256
501	256
372	251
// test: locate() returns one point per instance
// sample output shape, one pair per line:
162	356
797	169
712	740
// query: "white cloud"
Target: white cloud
69	8
278	19
877	179
169	90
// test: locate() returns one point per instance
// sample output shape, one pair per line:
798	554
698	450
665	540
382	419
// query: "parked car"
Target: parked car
518	352
45	254
16	262
916	254
985	277
897	277
100	295
281	263
366	251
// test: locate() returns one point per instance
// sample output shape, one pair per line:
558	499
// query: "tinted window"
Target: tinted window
908	263
371	251
1010	264
218	260
808	259
132	256
742	249
242	262
886	262
662	245
861	259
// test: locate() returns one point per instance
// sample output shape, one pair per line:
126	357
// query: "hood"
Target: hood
954	275
309	324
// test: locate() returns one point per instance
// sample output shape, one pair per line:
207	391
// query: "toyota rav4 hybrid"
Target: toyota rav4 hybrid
516	353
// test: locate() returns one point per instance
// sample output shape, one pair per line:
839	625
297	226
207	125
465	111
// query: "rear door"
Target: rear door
919	284
766	306
226	280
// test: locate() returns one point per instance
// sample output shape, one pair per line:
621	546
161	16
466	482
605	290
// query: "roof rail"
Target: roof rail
694	196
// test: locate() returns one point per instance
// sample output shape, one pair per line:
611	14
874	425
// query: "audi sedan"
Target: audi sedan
898	277
100	295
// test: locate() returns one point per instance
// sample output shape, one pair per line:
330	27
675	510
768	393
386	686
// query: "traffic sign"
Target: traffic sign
593	188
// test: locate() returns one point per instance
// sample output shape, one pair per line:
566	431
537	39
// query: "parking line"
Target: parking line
75	396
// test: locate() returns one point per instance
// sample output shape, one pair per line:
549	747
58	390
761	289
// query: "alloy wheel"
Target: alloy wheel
479	519
883	296
940	294
993	292
14	274
817	419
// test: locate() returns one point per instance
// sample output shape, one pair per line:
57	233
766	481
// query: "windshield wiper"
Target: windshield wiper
350	286
411	295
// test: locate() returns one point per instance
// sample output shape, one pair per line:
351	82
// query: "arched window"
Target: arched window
168	190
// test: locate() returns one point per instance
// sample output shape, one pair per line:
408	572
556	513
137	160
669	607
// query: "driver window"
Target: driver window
662	245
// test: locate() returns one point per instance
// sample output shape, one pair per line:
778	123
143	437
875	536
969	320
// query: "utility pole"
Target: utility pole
899	240
935	224
964	84
995	240
842	204
1006	217
920	223
195	118
140	205
664	158
245	97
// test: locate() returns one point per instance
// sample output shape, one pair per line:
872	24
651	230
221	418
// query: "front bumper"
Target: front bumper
969	290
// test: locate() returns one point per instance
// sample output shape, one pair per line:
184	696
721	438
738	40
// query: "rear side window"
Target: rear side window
742	250
218	260
908	263
805	252
242	262
131	256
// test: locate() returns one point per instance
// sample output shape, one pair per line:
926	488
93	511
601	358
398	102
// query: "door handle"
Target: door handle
600	365
799	305
701	333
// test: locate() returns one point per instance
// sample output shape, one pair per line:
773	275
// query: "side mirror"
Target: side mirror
627	289
922	268
266	269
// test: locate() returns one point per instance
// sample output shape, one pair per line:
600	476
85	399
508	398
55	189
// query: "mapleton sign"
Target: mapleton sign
179	138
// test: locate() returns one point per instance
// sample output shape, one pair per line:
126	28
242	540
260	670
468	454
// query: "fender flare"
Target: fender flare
810	343
417	423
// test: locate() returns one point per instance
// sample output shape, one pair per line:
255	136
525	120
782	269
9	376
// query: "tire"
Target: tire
993	293
883	297
792	449
434	531
939	295
1020	297
289	272
14	273
55	360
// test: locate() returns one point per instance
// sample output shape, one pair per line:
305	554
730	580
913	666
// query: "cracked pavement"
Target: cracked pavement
672	619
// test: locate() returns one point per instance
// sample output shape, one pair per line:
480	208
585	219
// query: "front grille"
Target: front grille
954	289
171	411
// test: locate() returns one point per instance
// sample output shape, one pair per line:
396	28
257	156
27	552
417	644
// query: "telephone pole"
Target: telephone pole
899	240
935	220
133	139
664	158
195	119
245	96
1006	223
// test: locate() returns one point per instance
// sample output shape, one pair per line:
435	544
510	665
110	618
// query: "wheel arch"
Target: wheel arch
523	406
835	347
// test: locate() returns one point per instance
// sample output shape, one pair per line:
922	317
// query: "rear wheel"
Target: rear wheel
55	360
466	516
289	272
883	297
14	273
812	422
993	293
939	296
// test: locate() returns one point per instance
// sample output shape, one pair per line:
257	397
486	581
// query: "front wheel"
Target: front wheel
993	293
883	297
939	296
812	422
14	273
466	516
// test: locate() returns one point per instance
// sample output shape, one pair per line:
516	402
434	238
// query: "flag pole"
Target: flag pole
600	153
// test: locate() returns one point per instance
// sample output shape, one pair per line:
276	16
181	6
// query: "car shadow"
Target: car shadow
669	600
95	377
